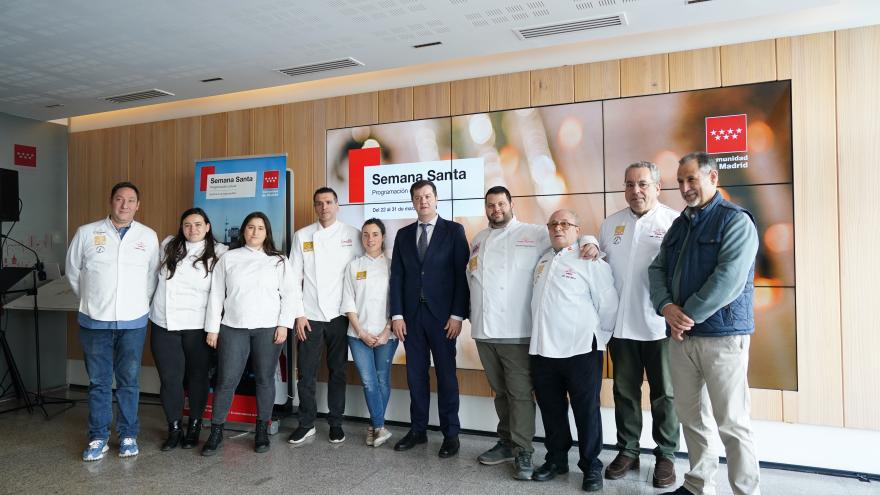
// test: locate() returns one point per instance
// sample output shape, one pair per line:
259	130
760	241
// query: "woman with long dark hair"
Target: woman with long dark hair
253	290
178	316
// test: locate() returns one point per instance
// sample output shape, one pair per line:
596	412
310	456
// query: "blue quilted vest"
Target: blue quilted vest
704	233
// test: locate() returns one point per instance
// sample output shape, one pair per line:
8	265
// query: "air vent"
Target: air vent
212	79
571	26
300	70
691	2
140	95
55	105
425	45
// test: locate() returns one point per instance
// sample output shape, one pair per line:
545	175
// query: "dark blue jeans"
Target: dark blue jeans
108	353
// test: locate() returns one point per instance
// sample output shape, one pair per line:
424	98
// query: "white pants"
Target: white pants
709	379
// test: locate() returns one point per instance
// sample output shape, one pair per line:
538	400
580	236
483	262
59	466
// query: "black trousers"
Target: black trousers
234	345
334	335
576	380
181	356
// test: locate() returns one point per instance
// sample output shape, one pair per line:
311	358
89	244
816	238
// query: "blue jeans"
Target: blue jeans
374	366
108	352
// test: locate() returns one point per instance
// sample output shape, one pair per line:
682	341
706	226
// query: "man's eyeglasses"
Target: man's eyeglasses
641	185
563	225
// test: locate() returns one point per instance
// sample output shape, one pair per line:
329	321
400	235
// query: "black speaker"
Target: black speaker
8	195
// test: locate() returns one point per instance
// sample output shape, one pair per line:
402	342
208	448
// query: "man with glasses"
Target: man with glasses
574	305
702	282
630	240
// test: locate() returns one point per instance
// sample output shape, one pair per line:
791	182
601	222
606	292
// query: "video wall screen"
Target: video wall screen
574	156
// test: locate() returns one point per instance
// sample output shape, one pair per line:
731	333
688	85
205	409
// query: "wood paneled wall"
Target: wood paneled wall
836	97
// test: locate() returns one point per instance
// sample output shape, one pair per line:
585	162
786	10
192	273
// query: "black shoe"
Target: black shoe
449	447
410	440
215	441
679	491
300	434
193	430
174	435
337	435
592	481
261	437
548	471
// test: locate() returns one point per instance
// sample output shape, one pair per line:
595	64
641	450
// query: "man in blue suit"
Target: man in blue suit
429	299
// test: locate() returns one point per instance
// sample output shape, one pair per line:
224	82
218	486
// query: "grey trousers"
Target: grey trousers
508	370
234	345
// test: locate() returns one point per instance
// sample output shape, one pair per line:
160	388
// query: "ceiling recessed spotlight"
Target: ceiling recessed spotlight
425	45
212	79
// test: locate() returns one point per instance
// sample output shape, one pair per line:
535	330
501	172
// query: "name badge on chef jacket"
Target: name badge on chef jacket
539	270
618	233
100	239
308	246
361	275
472	264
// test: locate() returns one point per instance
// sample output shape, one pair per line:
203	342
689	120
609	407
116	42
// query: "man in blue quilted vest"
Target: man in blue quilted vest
702	284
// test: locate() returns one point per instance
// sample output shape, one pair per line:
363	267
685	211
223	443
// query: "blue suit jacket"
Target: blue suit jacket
441	277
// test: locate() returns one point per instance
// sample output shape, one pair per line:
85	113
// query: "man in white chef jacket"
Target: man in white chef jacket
319	254
113	316
630	240
574	305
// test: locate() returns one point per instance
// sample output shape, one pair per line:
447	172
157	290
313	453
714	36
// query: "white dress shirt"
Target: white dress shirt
181	302
114	278
572	300
365	292
499	274
630	244
319	256
251	290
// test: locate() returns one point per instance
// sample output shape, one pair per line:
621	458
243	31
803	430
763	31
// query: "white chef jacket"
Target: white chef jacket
365	292
319	256
181	302
572	300
630	244
499	274
251	290
114	278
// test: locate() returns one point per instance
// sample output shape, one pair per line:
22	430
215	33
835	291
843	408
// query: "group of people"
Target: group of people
667	293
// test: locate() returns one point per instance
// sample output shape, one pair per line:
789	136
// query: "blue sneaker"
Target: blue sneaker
96	450
128	447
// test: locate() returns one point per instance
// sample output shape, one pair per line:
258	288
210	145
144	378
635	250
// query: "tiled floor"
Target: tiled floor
39	456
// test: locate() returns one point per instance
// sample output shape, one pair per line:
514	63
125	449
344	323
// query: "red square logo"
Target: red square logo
203	178
270	179
25	156
727	134
359	158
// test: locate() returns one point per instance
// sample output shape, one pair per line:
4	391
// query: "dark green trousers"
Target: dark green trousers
632	358
508	371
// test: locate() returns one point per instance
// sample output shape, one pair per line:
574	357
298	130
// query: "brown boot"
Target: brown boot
664	472
620	465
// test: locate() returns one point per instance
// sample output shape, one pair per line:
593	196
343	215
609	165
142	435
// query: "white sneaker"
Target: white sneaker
381	436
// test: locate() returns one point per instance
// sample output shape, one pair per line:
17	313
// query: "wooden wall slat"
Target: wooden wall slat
858	100
470	96
432	100
597	81
298	143
362	109
334	112
552	86
240	132
695	69
395	105
213	135
187	137
783	58
508	91
644	75
268	130
820	394
747	63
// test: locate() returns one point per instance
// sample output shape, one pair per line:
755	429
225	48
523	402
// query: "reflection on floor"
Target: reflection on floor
39	456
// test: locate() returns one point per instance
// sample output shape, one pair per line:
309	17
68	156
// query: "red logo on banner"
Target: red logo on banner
270	179
357	160
726	134
25	155
203	179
